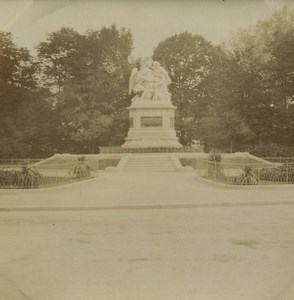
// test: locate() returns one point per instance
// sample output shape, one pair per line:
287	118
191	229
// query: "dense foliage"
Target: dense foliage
26	178
72	97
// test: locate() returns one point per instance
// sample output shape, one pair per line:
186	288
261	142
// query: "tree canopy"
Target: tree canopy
24	130
88	77
237	97
72	96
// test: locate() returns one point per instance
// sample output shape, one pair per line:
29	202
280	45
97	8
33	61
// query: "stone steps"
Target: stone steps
149	164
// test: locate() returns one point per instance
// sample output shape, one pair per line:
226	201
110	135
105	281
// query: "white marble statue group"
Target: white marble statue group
150	82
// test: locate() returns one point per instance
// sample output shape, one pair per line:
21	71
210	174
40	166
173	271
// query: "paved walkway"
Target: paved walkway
104	251
149	190
243	253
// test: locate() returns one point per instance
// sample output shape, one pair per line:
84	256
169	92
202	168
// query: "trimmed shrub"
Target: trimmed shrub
214	167
248	177
28	177
81	169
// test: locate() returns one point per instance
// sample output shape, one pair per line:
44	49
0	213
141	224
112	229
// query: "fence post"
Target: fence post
80	185
287	172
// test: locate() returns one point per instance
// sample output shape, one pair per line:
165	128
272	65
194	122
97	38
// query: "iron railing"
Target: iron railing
253	173
23	175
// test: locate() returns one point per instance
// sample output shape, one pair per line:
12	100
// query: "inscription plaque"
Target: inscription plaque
151	121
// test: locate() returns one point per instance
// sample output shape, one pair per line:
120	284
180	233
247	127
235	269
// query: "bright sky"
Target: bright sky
150	21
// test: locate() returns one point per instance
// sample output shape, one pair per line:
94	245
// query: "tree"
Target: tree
281	78
60	57
26	127
194	66
89	96
264	54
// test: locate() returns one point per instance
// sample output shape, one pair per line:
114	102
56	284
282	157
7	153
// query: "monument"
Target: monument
151	114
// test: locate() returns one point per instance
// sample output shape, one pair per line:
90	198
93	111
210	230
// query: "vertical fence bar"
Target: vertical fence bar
227	176
287	172
80	184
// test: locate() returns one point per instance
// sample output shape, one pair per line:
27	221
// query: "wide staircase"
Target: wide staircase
149	163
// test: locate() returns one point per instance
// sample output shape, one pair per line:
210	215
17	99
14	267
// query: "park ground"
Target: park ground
147	236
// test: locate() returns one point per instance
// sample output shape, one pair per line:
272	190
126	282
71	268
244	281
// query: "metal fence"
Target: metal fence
249	174
34	175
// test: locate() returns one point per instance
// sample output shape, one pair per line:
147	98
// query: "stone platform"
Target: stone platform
151	124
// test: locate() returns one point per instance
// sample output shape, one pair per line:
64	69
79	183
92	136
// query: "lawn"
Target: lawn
227	163
67	163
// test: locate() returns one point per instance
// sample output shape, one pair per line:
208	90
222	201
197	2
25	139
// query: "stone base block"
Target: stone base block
151	126
145	143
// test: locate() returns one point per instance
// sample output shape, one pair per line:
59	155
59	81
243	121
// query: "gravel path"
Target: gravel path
141	189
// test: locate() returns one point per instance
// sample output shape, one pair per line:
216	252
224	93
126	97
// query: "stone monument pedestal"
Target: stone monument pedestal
151	125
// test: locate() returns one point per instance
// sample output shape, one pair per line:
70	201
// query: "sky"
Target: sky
149	21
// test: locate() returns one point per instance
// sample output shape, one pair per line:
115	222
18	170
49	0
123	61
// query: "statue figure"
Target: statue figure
162	81
133	85
150	82
146	78
142	82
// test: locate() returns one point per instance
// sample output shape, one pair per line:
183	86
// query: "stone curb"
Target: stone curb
149	207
